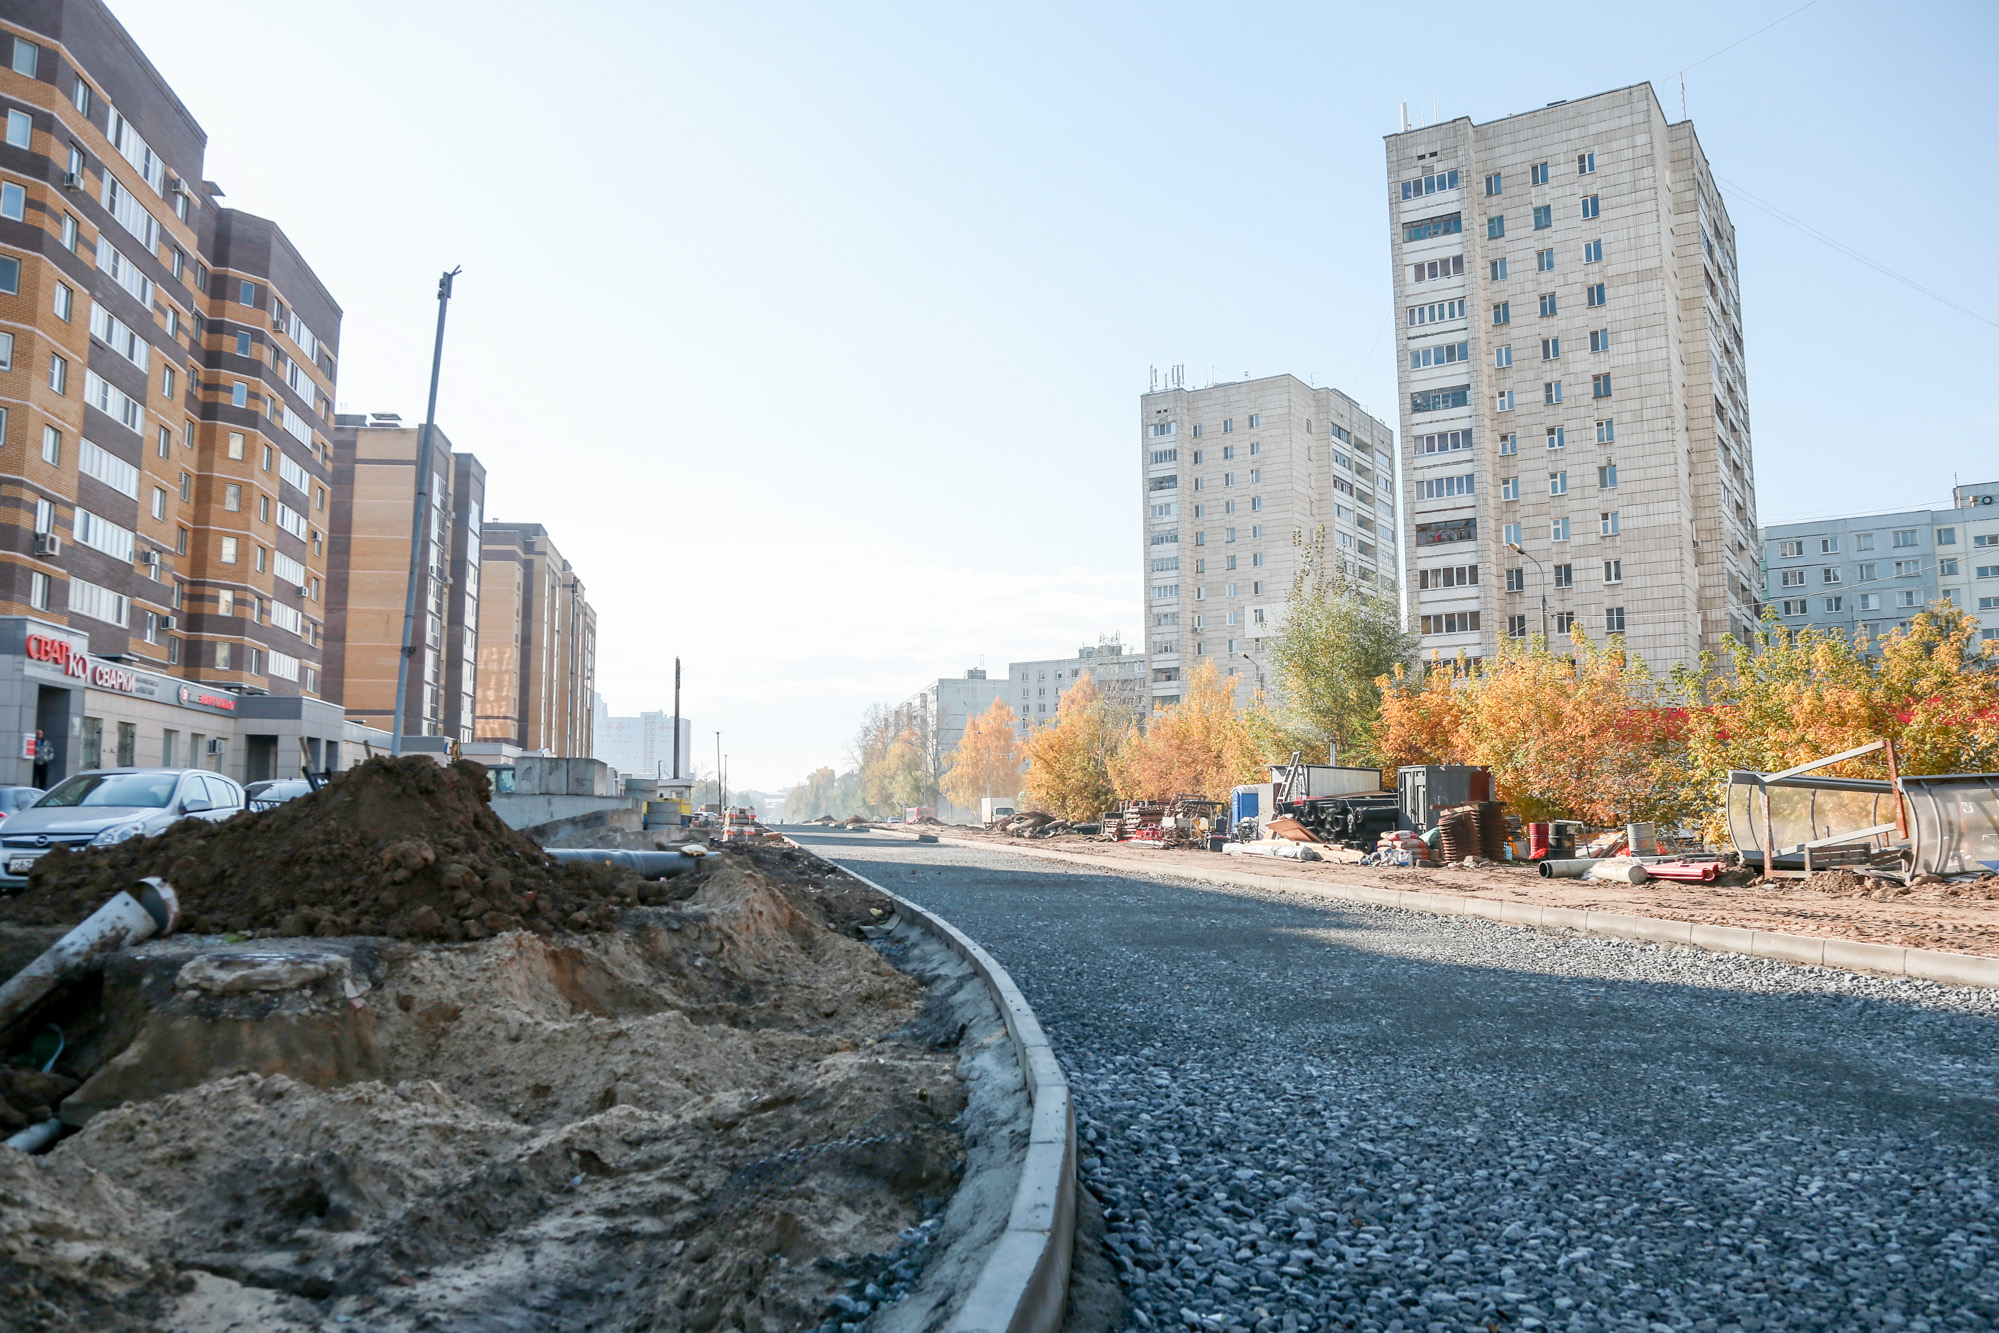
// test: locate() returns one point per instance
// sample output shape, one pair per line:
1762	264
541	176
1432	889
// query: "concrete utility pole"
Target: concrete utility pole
420	524
719	802
676	719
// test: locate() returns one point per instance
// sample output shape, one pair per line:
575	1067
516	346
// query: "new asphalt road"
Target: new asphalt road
1303	1114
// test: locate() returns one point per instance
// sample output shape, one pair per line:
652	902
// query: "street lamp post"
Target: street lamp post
420	523
1542	571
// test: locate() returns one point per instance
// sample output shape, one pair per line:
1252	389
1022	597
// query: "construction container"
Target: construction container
1425	789
1328	780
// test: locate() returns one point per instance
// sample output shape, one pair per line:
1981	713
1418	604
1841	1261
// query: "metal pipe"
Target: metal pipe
36	1138
650	865
149	908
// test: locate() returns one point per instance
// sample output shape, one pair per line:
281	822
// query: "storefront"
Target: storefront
63	711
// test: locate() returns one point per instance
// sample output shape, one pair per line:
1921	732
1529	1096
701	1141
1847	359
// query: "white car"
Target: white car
105	806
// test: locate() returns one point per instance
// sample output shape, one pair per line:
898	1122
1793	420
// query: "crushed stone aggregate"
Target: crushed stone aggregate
1304	1114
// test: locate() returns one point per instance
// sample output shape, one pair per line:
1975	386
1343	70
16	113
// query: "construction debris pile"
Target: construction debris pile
718	1109
1031	824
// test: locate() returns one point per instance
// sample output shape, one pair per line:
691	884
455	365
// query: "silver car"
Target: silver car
105	806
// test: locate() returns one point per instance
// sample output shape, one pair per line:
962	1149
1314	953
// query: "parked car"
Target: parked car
17	798
275	791
105	806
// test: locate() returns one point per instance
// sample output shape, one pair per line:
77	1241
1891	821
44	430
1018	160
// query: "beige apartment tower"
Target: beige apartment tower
1237	478
1572	385
537	654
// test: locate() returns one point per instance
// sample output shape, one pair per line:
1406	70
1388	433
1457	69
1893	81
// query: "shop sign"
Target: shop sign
198	698
68	660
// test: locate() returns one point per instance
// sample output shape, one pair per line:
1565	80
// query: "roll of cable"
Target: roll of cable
1459	829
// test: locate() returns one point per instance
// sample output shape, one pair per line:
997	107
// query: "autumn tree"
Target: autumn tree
1069	760
812	797
1202	745
1338	640
987	759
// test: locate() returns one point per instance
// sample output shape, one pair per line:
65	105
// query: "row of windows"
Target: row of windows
1550	304
1228	451
1452	267
1551	348
1443	354
1431	184
1864	541
1443	442
1564	622
1437	312
1551	393
1608	525
1438	488
1447	224
1544	218
1537	174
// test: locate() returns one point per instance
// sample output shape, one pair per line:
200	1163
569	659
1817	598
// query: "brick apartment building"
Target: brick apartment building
537	656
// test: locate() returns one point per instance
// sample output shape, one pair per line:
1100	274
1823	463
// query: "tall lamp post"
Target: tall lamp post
1539	569
420	524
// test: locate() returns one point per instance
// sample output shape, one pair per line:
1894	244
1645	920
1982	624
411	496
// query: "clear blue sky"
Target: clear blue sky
813	333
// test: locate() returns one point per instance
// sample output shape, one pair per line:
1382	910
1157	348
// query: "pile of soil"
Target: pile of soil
402	847
720	1113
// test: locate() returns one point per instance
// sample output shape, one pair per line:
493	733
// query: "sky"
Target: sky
814	334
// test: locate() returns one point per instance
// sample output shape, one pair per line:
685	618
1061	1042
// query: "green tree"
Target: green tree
1339	638
810	798
1068	762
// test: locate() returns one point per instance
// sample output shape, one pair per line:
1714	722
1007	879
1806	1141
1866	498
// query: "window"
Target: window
1509	444
1453	267
38	591
239	394
1908	597
1538	174
1228	452
1585	164
52	446
1551	349
6	351
1544	261
246	293
1443	442
1516	580
1509	488
1451	576
1904	537
13	202
1792	578
1544	217
20	129
1558	483
232	498
1510	534
159	502
1590	206
1498	270
243	344
10	275
1592	252
229	552
1558	529
1985	539
1908	568
1599	340
186	486
1493	184
1834	605
1613	571
1451	622
65	301
1613	620
1442	354
88	599
1593	294
1438	488
102	535
1863	541
1828	546
1565	576
1867	571
1437	400
1255	420
1607	523
1447	224
1503	400
1495	227
1948	537
264	509
1564	621
1502	313
1606	477
1600	385
166	381
1985	571
1255	503
113	471
58	373
1548	304
1551	392
1790	550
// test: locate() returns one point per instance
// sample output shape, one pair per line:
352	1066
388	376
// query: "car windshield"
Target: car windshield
131	789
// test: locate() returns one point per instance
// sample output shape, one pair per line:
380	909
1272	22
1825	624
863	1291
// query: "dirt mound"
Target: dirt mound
400	847
77	1250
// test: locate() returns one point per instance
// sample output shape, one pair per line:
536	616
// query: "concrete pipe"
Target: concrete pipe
36	1138
649	865
1618	872
148	908
1566	869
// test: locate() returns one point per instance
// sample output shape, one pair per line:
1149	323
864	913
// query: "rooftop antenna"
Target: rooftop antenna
1683	94
1152	373
1405	118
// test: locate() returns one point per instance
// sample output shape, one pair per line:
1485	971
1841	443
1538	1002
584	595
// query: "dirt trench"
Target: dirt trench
722	1112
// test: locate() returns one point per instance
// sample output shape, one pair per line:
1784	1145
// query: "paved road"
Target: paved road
1306	1115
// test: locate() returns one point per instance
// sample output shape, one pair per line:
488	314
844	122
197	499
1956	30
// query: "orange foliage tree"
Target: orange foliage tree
1068	761
1200	745
987	759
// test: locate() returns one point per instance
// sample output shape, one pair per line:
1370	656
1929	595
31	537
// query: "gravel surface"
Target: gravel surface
1307	1115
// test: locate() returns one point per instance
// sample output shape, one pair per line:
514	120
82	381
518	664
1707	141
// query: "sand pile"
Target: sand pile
710	1116
399	847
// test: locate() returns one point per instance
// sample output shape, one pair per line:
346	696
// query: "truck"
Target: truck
992	809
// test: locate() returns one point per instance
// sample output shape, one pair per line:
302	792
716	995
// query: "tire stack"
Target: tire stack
1491	819
1458	833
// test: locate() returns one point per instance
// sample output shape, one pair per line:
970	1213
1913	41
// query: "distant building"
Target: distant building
537	670
1873	572
1034	689
642	745
938	714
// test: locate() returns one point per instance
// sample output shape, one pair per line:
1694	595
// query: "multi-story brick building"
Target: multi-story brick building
1034	690
166	368
537	673
1237	480
374	508
1575	422
1869	573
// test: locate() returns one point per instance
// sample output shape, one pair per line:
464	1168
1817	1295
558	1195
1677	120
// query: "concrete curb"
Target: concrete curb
1024	1286
1951	969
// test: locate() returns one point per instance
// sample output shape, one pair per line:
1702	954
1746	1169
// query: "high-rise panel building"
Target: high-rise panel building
1575	422
1238	481
537	662
643	745
1034	690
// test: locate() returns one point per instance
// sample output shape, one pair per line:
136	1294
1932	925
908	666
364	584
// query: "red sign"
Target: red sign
59	653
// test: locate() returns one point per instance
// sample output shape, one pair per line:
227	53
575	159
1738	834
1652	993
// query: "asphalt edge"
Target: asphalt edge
1950	969
1024	1286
